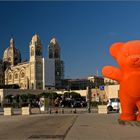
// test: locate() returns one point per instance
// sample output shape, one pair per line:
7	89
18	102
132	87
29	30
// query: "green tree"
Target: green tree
51	95
75	95
9	98
72	94
24	97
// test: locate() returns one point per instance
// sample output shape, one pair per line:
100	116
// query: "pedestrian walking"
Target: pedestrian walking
56	103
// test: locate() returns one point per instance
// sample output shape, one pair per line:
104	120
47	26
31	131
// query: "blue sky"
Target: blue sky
84	30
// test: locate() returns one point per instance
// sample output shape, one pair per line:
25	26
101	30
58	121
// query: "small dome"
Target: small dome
12	40
12	52
54	43
35	39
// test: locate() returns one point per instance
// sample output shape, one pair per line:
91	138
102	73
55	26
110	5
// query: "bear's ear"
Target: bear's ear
115	48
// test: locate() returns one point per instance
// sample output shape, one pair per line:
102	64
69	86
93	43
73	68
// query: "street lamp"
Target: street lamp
88	98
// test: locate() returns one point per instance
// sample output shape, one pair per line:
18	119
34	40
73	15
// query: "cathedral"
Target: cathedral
29	74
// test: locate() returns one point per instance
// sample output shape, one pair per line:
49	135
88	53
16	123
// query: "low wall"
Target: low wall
5	92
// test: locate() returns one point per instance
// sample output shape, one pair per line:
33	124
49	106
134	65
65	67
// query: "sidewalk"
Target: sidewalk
101	127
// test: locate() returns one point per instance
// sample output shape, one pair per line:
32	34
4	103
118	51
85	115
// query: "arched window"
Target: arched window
38	51
50	53
56	54
21	85
32	51
16	76
10	76
22	75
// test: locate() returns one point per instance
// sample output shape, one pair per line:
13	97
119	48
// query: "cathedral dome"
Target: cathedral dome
5	54
12	53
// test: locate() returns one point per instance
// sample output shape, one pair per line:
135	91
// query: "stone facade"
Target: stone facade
30	74
1	73
19	74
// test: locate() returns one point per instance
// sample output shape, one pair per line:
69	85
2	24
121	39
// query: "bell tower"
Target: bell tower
54	65
54	49
11	51
36	66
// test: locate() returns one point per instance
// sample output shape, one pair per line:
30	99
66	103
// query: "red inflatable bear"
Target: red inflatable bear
127	74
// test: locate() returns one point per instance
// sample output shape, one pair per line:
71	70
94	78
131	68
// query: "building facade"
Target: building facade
29	74
109	81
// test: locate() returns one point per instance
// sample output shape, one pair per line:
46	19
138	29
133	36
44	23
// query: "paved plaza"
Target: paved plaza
35	127
102	127
66	127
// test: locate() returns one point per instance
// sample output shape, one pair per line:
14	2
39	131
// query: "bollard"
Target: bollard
50	111
89	111
56	110
74	110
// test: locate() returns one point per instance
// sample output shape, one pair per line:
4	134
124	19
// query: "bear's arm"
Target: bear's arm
112	73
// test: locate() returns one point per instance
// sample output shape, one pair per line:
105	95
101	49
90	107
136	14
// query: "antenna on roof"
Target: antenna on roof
97	72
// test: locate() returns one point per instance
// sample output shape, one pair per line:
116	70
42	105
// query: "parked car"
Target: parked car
76	103
113	105
66	102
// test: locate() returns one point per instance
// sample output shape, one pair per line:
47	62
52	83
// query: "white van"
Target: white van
113	105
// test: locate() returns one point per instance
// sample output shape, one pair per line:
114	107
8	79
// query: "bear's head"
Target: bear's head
127	54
